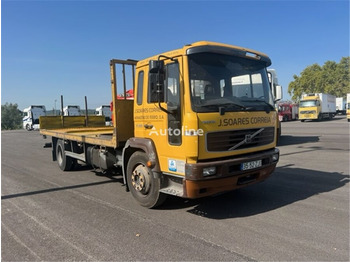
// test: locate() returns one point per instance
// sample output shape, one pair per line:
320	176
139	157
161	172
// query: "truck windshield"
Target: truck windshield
308	103
230	82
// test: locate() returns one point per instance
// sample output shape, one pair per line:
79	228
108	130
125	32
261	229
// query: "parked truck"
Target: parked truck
105	111
348	106
340	105
191	131
31	117
317	106
287	111
71	110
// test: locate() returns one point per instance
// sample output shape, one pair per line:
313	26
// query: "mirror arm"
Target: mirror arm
164	110
167	57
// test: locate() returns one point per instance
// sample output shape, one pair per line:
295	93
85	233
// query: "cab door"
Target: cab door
163	115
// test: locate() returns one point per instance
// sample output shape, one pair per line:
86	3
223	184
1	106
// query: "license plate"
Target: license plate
251	165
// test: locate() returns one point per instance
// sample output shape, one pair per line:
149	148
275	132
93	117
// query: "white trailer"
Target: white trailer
327	103
341	105
31	117
105	110
71	111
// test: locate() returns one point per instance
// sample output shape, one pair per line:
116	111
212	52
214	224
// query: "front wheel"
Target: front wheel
28	127
143	185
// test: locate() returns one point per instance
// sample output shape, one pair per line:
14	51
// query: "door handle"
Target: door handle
147	126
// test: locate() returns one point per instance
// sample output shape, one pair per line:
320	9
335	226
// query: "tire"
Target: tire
65	162
302	120
143	185
28	127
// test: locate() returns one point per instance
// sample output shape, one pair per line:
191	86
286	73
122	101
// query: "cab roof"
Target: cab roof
208	46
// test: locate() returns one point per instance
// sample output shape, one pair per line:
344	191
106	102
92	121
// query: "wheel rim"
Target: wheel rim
140	179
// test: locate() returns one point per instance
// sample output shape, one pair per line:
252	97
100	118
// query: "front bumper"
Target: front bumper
229	175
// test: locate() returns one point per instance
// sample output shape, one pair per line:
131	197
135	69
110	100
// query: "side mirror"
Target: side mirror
156	78
279	93
156	66
173	109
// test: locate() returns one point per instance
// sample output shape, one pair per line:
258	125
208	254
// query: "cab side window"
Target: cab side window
140	88
173	99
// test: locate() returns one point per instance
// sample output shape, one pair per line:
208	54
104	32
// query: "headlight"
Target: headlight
209	171
275	157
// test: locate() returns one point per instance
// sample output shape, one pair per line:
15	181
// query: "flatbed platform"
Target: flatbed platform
78	129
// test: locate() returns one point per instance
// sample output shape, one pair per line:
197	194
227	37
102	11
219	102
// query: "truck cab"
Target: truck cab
105	111
310	108
210	113
31	117
71	110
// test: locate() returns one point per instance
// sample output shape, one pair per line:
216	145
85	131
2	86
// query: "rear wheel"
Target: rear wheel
143	185
65	162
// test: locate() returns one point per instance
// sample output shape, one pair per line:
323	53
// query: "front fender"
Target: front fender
140	144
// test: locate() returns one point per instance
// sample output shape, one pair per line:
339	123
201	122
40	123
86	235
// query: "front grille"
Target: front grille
233	139
308	112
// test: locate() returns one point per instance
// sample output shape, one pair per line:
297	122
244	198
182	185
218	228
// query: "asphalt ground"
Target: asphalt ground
301	213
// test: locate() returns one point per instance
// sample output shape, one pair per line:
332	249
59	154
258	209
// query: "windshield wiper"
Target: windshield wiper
225	105
261	101
221	107
230	104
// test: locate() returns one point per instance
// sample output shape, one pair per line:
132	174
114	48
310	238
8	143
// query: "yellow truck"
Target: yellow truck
317	106
202	122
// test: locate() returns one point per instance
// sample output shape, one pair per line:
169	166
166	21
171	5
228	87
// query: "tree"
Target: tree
11	117
332	78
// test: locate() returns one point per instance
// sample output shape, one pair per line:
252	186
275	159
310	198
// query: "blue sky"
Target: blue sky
53	48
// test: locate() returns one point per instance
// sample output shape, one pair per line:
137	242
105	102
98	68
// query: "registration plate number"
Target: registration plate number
251	165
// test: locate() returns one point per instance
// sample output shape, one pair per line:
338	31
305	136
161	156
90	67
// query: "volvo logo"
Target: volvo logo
247	139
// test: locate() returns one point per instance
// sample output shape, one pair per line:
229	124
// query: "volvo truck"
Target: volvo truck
202	122
316	106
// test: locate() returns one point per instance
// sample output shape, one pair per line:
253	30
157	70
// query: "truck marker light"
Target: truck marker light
150	163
